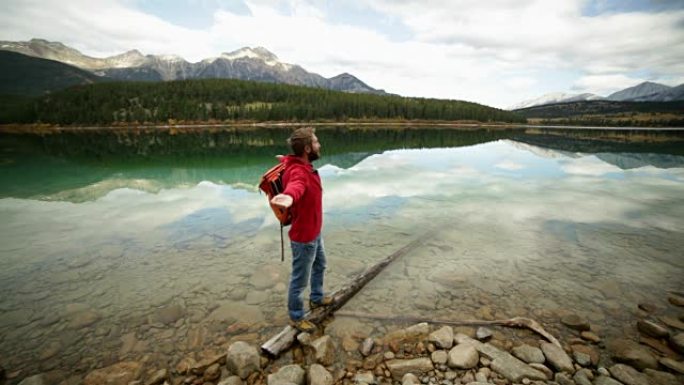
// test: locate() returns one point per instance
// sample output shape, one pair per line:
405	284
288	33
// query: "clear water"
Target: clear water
107	260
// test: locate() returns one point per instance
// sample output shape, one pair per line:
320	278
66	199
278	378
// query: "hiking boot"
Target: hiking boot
303	325
325	302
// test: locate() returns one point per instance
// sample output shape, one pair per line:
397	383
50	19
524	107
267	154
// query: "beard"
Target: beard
314	156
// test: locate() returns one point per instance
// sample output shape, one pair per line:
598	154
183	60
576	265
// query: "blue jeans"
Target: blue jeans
308	259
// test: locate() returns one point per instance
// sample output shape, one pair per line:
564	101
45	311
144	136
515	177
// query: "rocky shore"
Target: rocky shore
424	354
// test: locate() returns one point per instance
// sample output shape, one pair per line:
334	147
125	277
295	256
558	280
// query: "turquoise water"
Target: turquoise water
105	259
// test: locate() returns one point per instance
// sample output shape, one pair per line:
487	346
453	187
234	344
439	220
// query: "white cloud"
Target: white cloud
509	165
604	84
494	52
588	166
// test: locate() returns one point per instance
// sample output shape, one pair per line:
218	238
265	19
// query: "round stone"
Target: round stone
575	322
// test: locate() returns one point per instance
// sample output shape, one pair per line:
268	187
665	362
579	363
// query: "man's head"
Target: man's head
304	143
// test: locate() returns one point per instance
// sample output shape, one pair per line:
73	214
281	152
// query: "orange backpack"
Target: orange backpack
272	184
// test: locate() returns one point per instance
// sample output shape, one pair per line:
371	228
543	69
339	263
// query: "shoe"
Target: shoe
303	325
325	302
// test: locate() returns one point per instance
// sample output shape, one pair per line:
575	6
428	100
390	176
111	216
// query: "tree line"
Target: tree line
204	100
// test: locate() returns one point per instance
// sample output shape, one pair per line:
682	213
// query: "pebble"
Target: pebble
590	336
575	322
676	300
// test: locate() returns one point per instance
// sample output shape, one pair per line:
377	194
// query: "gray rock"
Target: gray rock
443	338
481	377
364	378
502	362
366	347
632	354
410	379
468	378
242	359
676	366
169	314
483	333
563	378
529	354
212	373
628	375
508	366
557	357
463	356
417	331
652	329
581	378
581	358
575	322
325	350
304	338
318	375
439	357
232	380
544	369
398	368
677	342
605	380
661	378
603	371
289	374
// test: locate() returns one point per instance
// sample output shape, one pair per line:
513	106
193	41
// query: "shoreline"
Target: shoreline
210	126
422	353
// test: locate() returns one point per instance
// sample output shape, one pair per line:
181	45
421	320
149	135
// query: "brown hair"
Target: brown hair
300	138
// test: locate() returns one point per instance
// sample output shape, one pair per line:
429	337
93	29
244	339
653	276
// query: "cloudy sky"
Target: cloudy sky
495	52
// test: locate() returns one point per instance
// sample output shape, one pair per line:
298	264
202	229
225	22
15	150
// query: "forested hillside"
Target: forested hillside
608	113
234	100
23	75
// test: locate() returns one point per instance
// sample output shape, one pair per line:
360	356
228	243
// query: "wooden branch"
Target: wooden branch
283	340
519	322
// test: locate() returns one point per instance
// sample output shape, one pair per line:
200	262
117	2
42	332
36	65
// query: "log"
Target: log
519	322
284	339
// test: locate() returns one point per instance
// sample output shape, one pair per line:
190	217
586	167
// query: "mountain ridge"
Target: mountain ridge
643	92
246	63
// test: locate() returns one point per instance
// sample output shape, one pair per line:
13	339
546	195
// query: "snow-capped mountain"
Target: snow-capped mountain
555	97
644	92
246	64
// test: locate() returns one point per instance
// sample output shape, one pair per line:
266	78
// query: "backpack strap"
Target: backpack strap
282	244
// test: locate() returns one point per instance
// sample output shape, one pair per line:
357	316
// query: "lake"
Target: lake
154	246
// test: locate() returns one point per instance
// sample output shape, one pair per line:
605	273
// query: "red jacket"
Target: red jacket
303	184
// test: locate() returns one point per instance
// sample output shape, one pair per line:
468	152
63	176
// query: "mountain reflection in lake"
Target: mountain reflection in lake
112	259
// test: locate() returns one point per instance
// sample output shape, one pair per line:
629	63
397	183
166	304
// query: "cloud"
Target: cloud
495	52
604	84
588	166
509	165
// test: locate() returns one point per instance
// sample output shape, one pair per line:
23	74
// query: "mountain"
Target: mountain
646	91
246	63
350	83
30	76
556	97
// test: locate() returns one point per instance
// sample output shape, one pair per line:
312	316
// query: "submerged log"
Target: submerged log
519	322
284	339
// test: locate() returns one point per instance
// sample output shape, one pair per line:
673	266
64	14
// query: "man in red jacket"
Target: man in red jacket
303	194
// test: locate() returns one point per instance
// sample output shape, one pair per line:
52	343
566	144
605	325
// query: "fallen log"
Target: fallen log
519	322
284	339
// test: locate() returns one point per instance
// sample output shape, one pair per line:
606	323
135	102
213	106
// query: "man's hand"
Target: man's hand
282	200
